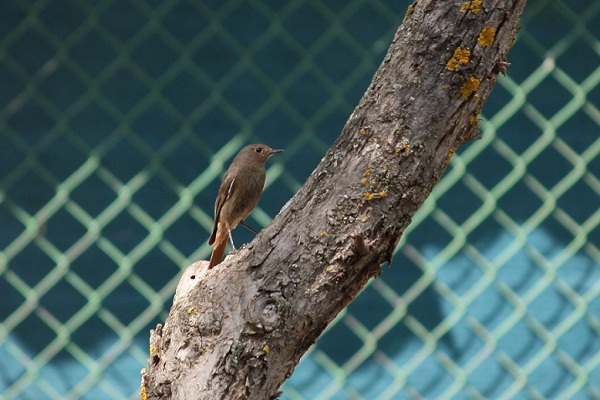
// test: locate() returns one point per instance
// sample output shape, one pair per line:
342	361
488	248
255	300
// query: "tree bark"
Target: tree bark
239	330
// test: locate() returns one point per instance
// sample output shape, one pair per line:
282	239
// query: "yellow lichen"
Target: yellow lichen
266	349
324	233
192	310
450	155
165	328
486	36
369	195
365	218
474	120
153	351
367	172
470	86
460	57
383	193
143	394
365	182
452	64
474	6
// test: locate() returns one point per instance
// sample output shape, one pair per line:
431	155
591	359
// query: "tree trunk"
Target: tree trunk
238	331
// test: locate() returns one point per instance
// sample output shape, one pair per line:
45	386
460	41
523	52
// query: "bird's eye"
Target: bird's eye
258	149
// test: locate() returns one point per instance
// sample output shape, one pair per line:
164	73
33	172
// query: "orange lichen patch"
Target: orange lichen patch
486	36
470	86
460	57
371	195
474	120
450	155
474	6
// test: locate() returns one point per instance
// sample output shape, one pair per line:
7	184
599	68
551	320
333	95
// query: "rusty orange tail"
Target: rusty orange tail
219	249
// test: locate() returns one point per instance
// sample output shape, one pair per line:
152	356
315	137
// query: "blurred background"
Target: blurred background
117	120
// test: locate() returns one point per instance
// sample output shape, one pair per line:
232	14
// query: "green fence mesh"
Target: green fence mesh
118	118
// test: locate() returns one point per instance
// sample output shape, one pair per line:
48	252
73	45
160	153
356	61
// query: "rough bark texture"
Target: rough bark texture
238	331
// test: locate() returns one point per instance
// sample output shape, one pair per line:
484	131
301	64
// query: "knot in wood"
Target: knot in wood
268	313
265	312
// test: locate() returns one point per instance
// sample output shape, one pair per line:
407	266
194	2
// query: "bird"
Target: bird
240	190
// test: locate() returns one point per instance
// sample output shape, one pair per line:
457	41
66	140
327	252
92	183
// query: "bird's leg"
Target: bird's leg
231	239
243	223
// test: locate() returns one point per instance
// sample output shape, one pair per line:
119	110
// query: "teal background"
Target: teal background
117	120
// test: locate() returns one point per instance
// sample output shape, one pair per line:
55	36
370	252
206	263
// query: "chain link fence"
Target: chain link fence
117	120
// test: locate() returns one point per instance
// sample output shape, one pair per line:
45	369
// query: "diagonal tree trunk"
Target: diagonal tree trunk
238	331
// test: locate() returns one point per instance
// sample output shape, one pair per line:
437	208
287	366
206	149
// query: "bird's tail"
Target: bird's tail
219	249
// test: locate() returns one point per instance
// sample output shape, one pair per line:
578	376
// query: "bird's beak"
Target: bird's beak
273	151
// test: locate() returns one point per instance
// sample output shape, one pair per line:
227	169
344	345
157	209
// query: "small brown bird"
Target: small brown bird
239	193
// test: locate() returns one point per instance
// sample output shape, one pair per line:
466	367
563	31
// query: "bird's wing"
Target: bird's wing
224	193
